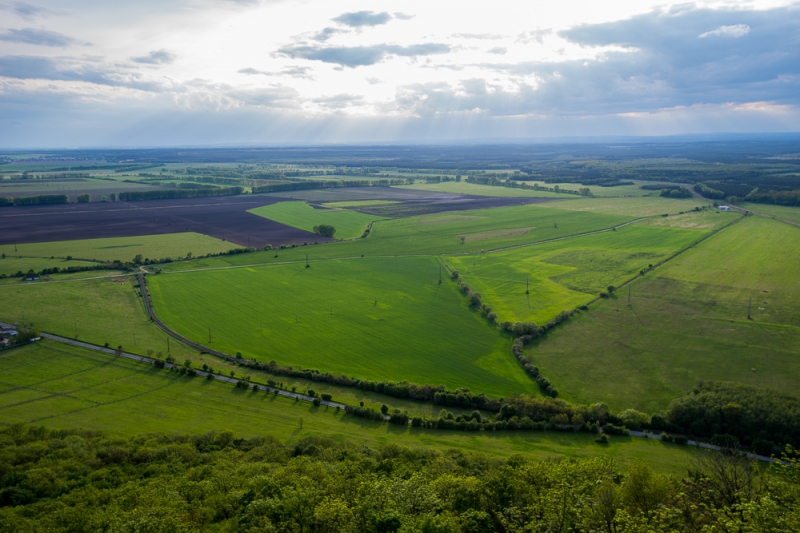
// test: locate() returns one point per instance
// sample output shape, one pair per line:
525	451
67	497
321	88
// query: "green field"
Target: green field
382	319
563	275
122	248
634	207
102	310
462	187
687	322
61	386
792	214
437	234
359	203
348	224
10	265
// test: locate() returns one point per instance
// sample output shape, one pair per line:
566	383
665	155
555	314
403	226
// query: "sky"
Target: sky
91	73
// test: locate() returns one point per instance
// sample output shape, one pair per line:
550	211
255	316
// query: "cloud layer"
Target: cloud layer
336	72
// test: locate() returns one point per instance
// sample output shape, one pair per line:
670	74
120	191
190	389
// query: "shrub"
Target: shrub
316	402
327	397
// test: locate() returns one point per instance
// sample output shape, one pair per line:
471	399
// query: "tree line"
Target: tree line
72	480
169	194
42	199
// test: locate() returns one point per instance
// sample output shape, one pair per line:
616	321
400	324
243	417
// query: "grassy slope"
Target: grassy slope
102	392
688	322
348	224
565	274
418	330
123	248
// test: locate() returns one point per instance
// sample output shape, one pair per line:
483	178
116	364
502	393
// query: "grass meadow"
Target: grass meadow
121	248
61	386
687	322
646	206
11	265
566	274
439	234
101	310
785	212
348	224
382	319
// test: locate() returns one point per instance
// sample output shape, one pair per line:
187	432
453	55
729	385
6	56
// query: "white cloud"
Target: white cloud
735	31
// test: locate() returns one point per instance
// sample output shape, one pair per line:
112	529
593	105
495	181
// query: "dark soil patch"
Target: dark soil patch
412	202
224	218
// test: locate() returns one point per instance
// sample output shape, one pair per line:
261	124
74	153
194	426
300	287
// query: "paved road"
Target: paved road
657	436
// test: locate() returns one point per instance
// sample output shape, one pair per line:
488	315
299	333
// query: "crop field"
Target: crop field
462	187
370	318
103	310
356	204
62	386
172	245
635	207
785	212
563	275
11	265
224	218
348	224
688	321
69	186
438	235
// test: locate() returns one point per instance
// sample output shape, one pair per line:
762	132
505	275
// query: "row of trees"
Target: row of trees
168	194
302	185
68	480
43	199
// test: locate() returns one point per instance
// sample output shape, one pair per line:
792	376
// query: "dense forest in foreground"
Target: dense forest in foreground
54	480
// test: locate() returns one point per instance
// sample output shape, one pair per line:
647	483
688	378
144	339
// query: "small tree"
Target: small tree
384	408
325	230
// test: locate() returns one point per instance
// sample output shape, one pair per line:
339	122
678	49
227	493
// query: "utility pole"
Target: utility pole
209	335
440	274
749	305
527	286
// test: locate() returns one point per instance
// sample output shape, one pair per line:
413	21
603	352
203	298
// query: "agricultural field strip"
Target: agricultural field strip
765	215
513	247
118	275
288	394
148	360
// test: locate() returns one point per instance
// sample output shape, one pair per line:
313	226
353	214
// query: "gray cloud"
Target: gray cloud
339	101
735	31
276	96
294	72
403	16
325	34
68	69
481	36
357	56
27	11
34	36
157	57
498	50
363	18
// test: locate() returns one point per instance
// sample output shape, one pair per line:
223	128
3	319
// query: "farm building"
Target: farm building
31	276
724	208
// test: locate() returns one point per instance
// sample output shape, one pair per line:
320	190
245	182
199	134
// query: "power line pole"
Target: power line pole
440	274
749	306
209	335
527	285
